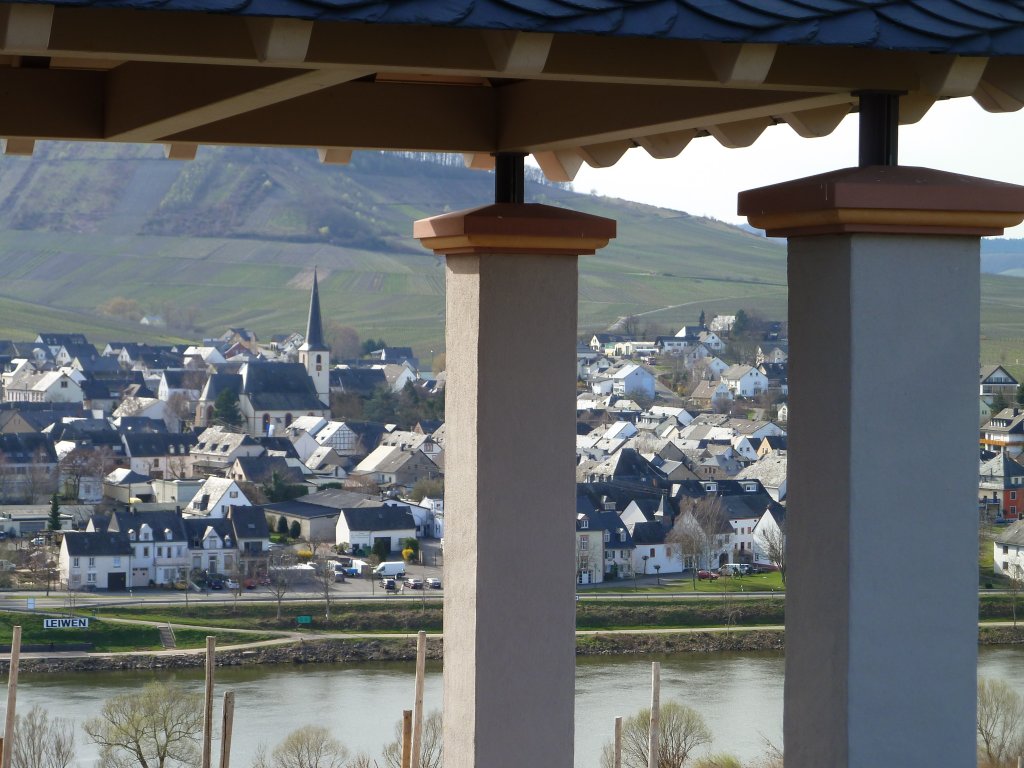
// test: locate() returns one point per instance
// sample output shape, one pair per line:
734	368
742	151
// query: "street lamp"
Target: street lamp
657	570
644	558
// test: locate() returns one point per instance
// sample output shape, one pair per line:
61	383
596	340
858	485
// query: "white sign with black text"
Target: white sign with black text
65	623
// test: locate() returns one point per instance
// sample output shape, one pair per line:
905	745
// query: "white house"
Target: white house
768	528
625	379
95	560
771	471
363	526
214	498
711	340
1008	551
745	381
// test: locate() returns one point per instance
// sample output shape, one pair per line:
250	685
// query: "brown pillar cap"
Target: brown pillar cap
884	199
515	228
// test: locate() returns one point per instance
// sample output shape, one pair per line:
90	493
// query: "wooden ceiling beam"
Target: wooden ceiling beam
365	115
280	41
518	53
26	27
739	64
120	34
146	101
1002	87
48	104
539	115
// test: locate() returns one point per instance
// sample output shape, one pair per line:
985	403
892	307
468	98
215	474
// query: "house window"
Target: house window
652	551
584	524
156	462
74	562
117	562
1013	495
90	578
607	537
1006	549
583	543
92	562
63	385
145	551
159	551
233	494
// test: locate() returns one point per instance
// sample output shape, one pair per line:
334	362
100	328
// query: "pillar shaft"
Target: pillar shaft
509	616
509	612
881	605
881	522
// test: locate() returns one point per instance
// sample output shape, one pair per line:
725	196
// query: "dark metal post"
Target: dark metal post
879	128
509	179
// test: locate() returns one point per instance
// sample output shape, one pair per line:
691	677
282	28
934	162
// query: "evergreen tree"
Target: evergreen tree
295	530
225	409
282	525
53	523
702	323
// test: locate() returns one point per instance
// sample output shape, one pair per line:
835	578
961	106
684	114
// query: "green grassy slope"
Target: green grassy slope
234	235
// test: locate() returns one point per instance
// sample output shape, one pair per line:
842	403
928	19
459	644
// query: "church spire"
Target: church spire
315	326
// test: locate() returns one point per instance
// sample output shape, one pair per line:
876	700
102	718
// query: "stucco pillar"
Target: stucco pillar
881	604
509	608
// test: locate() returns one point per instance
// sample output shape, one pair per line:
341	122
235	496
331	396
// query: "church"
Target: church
272	395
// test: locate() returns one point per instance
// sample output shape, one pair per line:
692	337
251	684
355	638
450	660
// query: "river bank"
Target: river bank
335	650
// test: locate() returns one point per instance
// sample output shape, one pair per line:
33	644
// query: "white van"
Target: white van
394	569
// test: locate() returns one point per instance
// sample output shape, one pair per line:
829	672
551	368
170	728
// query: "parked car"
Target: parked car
231	584
707	575
390	585
414	583
38	541
434	583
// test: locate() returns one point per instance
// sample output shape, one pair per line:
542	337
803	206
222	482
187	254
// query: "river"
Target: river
740	696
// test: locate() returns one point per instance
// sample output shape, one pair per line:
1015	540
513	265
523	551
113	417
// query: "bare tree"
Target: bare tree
310	746
1000	724
156	727
41	477
280	576
1014	582
681	731
324	569
8	478
699	533
41	742
431	754
181	409
771	540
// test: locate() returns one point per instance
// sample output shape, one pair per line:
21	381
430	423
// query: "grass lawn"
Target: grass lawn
109	636
758	582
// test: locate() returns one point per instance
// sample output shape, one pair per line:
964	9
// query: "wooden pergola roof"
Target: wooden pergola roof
569	81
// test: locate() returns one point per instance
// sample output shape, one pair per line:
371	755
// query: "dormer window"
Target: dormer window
584	524
131	534
168	534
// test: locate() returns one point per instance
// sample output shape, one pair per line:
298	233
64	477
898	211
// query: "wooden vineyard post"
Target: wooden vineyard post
618	742
211	645
652	744
406	738
228	724
417	705
12	698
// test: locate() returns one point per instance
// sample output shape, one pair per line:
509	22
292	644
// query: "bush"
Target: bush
282	525
294	530
408	555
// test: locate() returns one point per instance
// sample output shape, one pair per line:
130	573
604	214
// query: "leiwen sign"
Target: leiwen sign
65	623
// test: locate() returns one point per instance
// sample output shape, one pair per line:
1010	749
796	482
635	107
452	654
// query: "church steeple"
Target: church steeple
315	355
315	326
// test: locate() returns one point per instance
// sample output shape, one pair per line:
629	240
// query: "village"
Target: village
218	463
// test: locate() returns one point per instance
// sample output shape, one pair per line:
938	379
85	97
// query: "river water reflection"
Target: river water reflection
740	696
